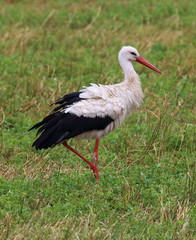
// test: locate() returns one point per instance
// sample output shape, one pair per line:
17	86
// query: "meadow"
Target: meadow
147	166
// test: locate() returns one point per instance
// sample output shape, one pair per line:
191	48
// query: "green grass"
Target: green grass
147	188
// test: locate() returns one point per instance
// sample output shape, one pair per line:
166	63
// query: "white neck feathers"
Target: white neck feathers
129	72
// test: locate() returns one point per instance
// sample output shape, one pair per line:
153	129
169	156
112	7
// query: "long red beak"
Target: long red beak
147	64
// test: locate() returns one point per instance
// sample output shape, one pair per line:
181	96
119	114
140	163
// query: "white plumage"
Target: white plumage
94	111
116	101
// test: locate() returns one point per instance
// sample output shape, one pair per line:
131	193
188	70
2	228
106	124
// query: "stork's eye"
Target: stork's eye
133	53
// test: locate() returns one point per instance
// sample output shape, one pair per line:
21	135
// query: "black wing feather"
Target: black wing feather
67	97
68	102
59	126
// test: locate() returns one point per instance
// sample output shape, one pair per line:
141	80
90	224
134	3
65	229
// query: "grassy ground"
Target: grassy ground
146	190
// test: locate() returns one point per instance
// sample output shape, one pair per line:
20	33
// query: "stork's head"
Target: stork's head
130	54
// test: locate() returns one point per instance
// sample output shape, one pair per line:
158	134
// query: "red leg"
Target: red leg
93	167
96	152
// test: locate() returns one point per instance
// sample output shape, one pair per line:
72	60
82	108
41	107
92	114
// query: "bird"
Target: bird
93	111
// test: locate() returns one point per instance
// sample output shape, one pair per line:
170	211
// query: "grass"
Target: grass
147	186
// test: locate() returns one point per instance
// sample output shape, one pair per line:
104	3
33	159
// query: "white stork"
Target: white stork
95	111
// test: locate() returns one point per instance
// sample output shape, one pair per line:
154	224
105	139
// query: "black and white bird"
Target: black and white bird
95	111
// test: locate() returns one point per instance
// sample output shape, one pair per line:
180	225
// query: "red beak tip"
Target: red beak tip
147	64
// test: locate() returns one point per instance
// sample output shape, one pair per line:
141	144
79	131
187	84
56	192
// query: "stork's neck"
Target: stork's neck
130	74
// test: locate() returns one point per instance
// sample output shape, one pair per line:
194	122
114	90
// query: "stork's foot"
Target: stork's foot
95	170
93	166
